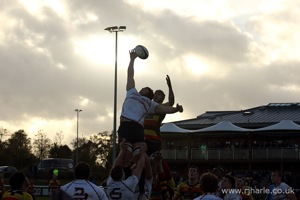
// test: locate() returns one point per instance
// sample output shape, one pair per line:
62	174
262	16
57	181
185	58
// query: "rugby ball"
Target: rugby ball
141	52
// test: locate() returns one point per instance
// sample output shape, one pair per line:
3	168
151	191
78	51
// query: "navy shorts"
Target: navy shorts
133	132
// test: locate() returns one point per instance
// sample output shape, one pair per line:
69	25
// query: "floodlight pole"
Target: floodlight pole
115	29
77	110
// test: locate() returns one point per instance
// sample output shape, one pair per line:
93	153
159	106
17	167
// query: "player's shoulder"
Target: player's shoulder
131	90
132	178
27	196
284	185
93	185
67	185
183	184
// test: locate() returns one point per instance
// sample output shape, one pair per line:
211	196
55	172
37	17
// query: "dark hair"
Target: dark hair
195	167
240	177
16	180
231	180
279	173
162	93
219	169
150	94
116	173
82	171
208	183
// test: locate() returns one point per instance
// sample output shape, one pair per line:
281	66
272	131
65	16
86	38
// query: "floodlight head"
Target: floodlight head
115	28
111	28
121	28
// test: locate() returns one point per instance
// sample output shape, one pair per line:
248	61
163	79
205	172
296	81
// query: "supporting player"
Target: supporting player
117	186
81	187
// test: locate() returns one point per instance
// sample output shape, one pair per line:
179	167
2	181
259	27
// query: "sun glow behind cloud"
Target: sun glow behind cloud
92	49
101	50
196	65
35	6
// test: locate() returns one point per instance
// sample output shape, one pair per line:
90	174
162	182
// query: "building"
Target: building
245	142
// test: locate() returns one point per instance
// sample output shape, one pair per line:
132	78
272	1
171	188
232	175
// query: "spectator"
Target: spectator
278	189
228	187
209	187
245	192
189	189
219	172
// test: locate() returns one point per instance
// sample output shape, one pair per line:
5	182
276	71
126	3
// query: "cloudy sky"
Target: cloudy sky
221	55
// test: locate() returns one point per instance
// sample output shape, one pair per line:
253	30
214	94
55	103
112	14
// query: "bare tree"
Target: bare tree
59	137
41	145
3	133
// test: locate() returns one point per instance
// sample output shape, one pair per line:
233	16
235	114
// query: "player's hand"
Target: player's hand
132	54
168	81
179	108
125	145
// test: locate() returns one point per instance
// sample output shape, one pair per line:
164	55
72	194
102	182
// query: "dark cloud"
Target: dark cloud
42	76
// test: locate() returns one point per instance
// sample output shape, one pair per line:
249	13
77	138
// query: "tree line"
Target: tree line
20	151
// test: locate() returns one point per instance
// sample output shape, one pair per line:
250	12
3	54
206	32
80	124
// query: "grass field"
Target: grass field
42	198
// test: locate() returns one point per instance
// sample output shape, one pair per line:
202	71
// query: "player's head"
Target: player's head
228	182
117	173
17	181
239	182
276	177
218	171
82	171
147	92
159	96
209	183
193	172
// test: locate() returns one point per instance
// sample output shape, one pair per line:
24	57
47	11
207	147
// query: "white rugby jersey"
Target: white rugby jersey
121	190
136	106
83	189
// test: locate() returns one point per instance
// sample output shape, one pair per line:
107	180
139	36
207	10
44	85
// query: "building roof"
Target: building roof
280	126
172	128
223	126
252	118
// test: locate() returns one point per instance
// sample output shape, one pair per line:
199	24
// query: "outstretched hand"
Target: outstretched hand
168	81
132	54
179	108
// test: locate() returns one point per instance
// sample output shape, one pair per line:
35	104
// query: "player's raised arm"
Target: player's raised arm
130	72
171	97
